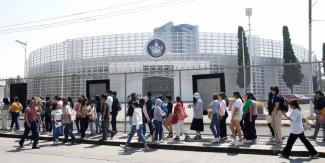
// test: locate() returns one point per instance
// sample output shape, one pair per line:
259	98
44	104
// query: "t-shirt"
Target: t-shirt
67	111
215	105
57	117
109	101
85	110
276	98
16	107
296	123
237	105
247	104
31	113
170	107
223	104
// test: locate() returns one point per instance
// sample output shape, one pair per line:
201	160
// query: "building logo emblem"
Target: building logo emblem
156	48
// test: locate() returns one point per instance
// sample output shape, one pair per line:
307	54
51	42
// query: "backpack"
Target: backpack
164	107
284	104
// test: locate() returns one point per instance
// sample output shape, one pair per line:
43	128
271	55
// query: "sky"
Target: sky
267	21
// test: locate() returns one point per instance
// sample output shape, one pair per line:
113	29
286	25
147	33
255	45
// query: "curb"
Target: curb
230	150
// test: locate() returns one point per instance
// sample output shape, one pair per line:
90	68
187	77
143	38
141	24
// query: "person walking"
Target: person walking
223	99
214	108
149	105
92	118
319	110
69	116
145	116
31	116
48	110
179	116
84	115
15	109
98	113
56	115
105	110
248	110
269	118
137	126
197	122
157	121
276	114
4	107
168	116
116	107
297	131
236	116
77	108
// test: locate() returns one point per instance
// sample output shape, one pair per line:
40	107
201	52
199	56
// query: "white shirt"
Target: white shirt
223	105
296	123
237	104
67	111
137	117
57	116
109	102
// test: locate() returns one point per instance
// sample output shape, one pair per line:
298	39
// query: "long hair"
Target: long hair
70	102
223	96
142	102
6	101
237	95
295	104
179	99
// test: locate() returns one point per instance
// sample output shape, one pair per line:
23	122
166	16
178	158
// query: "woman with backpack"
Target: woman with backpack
178	120
297	131
214	111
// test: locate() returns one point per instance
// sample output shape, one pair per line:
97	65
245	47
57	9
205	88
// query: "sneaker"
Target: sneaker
187	138
314	156
282	156
170	135
113	134
146	148
248	141
176	138
233	142
21	146
216	140
197	137
240	143
56	142
35	147
312	137
123	146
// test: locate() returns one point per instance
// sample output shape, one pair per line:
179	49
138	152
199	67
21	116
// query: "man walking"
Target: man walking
116	107
276	114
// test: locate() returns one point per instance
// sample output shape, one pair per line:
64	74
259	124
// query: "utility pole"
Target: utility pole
249	13
310	76
25	60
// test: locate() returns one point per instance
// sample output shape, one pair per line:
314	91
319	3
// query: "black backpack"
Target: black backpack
283	104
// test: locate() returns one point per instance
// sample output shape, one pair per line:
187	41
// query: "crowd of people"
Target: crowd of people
60	115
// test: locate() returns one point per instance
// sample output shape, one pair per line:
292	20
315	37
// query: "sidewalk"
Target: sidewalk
262	147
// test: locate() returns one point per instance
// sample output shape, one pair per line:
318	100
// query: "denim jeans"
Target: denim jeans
98	124
139	131
35	133
159	129
92	127
56	132
15	120
68	132
215	125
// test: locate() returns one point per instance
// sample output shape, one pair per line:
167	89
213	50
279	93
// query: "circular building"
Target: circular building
176	60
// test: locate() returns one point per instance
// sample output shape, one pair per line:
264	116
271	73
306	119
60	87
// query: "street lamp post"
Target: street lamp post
249	13
25	50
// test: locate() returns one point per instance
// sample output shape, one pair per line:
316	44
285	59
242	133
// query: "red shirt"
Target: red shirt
177	110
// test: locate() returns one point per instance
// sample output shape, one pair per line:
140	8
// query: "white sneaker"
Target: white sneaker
56	142
233	142
216	140
240	143
248	141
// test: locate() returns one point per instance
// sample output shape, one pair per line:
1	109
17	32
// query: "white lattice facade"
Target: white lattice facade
111	56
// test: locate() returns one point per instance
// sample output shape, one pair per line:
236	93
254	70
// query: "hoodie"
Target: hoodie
158	113
198	107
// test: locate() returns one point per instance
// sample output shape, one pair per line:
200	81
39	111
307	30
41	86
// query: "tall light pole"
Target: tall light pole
310	76
25	60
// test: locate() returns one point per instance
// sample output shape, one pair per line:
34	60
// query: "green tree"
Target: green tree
240	73
291	73
324	56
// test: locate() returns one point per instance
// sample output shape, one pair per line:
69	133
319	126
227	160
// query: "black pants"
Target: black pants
292	139
15	120
223	126
113	121
242	126
83	126
271	129
249	128
35	133
48	123
78	124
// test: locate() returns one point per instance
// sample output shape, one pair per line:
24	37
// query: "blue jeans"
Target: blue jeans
140	133
15	120
159	129
68	132
92	127
56	132
35	133
98	124
215	125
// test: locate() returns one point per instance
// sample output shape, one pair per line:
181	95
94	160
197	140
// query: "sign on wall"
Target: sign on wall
156	48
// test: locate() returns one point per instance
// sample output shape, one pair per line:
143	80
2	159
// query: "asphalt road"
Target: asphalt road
85	153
